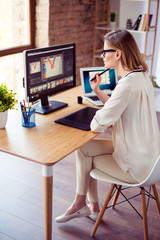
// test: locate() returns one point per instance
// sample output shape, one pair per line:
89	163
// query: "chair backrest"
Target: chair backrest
154	175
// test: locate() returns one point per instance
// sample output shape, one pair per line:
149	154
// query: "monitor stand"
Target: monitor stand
48	106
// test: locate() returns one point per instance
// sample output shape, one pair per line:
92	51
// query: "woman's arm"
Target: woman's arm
112	110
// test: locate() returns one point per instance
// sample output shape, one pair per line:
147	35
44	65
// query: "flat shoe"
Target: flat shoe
83	212
93	215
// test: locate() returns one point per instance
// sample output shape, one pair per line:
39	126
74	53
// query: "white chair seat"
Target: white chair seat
152	178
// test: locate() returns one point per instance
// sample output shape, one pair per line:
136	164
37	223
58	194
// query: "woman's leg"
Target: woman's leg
84	164
107	164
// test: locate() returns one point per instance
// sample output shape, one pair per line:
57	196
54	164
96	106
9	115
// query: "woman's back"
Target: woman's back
131	112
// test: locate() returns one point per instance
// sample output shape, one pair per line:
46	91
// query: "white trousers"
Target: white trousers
96	154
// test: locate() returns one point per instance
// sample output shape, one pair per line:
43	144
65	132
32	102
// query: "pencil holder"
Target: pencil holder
28	117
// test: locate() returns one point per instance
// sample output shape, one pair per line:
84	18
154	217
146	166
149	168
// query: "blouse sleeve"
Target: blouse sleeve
113	108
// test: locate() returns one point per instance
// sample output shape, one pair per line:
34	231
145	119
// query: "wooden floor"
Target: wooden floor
21	206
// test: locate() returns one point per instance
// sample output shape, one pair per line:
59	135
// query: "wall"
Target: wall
42	23
59	22
73	21
114	6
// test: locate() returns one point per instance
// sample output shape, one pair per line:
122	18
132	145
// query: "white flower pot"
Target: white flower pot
113	25
3	119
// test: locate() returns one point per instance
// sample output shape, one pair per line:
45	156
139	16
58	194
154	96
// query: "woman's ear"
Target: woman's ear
118	54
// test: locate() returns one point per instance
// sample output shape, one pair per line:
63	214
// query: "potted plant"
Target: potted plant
113	19
7	101
154	82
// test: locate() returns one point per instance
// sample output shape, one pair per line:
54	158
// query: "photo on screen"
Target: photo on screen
105	77
52	66
34	67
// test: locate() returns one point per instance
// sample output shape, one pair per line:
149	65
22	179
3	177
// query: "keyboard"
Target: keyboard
94	98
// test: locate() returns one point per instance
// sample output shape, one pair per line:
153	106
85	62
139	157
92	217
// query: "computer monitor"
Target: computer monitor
48	71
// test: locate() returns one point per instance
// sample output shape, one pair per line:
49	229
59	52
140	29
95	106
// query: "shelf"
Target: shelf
108	28
140	32
102	23
145	39
130	30
152	27
150	57
136	0
136	31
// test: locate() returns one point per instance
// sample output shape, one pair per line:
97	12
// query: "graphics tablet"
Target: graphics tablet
80	119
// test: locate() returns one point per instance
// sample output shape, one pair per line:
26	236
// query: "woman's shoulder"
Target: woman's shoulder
137	80
135	75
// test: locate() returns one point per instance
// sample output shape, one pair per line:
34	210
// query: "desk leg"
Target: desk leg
47	172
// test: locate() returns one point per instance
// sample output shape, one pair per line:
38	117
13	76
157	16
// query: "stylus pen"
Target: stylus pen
99	74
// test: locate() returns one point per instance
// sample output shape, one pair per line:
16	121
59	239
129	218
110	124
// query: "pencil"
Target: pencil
28	105
99	74
24	104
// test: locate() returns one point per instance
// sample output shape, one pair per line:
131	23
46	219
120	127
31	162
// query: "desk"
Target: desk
46	144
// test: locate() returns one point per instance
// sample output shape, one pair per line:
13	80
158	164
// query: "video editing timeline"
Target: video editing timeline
42	71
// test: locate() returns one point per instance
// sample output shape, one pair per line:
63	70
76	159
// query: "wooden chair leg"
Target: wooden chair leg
156	197
116	196
105	204
145	224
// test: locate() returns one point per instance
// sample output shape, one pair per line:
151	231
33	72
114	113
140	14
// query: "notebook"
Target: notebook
109	81
80	119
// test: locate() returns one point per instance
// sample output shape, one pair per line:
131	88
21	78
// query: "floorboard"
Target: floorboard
21	206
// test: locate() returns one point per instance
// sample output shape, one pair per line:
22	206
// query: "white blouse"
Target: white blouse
131	112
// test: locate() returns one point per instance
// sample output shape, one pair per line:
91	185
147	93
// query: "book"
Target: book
149	21
137	22
145	19
141	23
144	22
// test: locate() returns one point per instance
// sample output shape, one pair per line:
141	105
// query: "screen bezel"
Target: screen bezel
57	49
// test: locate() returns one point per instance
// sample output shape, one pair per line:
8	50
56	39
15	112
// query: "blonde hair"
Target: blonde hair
131	56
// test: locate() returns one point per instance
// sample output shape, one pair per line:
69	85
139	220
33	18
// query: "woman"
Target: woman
130	111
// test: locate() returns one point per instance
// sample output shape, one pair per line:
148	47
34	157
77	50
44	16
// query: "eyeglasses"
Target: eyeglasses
108	50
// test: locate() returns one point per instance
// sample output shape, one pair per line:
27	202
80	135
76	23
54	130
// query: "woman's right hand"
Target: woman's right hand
95	87
95	83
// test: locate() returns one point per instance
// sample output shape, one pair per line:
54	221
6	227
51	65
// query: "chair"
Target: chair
116	185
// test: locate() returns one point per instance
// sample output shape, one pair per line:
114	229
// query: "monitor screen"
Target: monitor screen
48	71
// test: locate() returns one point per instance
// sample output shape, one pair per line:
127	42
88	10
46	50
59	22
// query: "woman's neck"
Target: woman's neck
123	72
